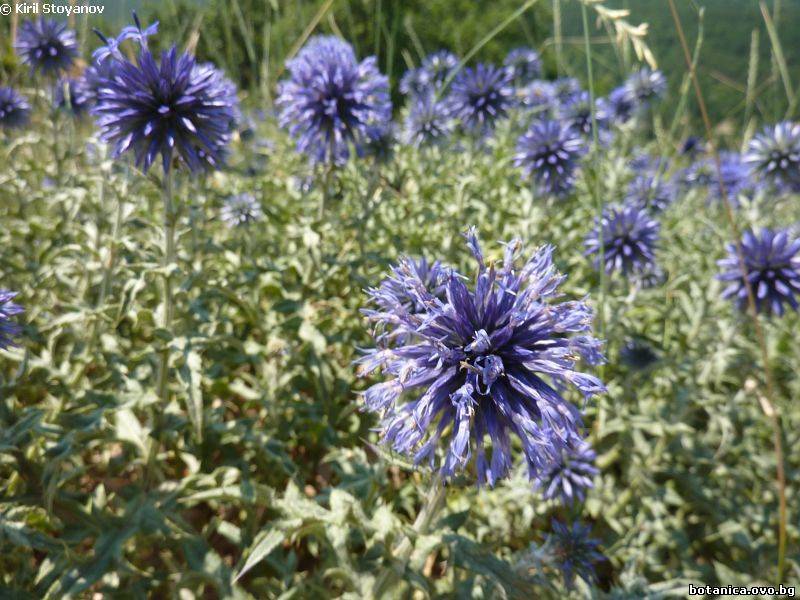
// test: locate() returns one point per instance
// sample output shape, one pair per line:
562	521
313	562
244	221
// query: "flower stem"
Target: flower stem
169	259
596	196
434	501
168	308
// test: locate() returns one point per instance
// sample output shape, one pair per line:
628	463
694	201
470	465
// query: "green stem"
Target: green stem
596	196
169	259
434	501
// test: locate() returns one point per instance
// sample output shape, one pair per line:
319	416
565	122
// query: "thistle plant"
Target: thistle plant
548	154
14	109
624	240
174	109
47	46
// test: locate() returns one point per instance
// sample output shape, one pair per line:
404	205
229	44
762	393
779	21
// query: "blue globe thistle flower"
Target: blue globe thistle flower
14	109
629	238
480	97
566	88
428	122
570	474
415	82
488	363
46	45
73	94
548	153
524	65
241	209
175	108
94	76
637	354
649	191
621	104
539	95
772	260
576	112
735	176
8	328
646	85
774	155
330	99
439	66
573	551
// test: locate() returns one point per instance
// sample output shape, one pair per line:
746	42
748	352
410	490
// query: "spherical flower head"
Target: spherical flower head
653	192
175	108
415	82
428	122
539	95
482	365
566	88
330	99
73	94
774	155
569	476
772	263
734	173
577	114
14	109
48	46
241	209
480	97
548	153
629	239
9	329
439	66
524	65
573	551
621	104
646	85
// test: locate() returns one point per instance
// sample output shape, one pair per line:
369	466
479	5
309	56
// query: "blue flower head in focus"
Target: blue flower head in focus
174	107
482	365
14	109
628	241
479	97
47	45
9	329
772	264
330	100
548	153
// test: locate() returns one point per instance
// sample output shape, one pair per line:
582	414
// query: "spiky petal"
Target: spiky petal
570	475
